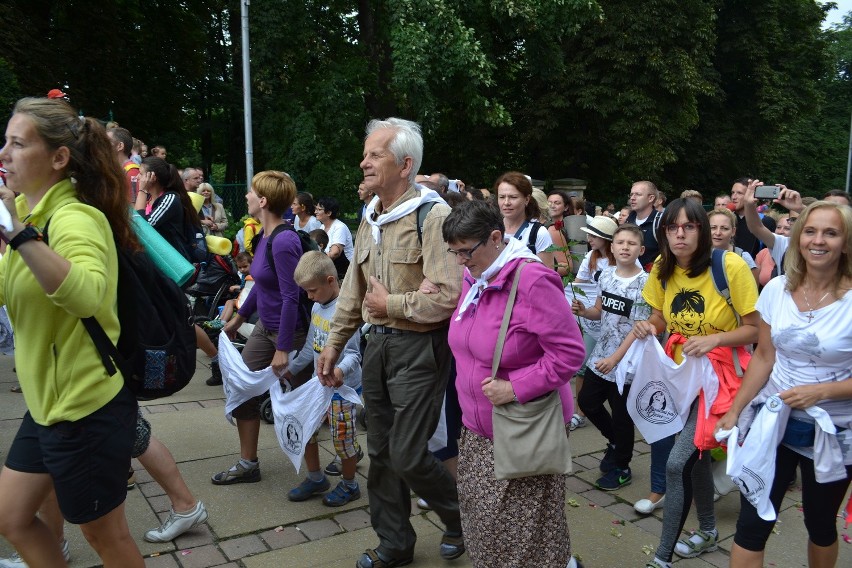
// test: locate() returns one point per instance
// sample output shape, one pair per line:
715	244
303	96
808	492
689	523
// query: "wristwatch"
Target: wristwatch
29	233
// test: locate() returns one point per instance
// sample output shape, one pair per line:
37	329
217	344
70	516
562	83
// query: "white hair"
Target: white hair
408	141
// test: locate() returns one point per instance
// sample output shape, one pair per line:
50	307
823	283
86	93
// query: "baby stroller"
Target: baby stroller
211	287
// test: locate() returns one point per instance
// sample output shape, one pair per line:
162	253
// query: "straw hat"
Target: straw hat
601	226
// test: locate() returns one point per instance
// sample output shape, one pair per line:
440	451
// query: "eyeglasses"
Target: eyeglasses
467	254
688	228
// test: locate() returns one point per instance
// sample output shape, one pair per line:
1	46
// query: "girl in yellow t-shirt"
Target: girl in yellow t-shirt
688	304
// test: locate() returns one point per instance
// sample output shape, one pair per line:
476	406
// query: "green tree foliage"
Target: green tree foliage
812	154
769	58
9	89
688	93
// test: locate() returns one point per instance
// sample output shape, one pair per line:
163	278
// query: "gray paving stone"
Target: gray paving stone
601	498
187	406
201	557
624	511
577	485
158	408
212	403
322	528
237	548
587	462
353	520
195	537
651	524
284	538
151	489
162	561
160	503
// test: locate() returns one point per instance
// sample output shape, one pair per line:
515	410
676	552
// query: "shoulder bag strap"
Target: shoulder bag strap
504	326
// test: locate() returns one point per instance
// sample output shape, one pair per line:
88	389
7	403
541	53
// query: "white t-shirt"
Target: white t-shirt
542	238
749	260
782	243
339	234
810	351
312	224
591	327
621	305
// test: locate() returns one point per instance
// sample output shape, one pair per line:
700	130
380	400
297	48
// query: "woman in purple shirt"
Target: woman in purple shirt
275	298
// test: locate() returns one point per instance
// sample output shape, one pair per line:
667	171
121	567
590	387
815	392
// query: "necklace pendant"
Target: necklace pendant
810	316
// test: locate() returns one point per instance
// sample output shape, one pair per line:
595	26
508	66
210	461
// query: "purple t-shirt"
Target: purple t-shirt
275	297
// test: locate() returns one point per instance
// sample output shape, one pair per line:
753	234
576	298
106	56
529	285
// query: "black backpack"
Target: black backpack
308	244
156	348
533	234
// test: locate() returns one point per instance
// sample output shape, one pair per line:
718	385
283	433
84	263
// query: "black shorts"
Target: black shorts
87	459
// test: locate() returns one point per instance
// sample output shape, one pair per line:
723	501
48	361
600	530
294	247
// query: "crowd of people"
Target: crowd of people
440	273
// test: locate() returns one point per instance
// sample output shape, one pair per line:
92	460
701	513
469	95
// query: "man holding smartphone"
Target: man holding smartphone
744	238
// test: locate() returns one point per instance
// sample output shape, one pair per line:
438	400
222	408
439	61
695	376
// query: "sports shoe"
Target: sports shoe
452	545
131	479
341	495
15	561
215	375
614	479
577	421
696	544
177	524
334	467
608	459
237	474
657	563
307	489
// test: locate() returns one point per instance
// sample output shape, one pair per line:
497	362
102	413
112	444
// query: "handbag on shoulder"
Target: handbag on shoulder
529	439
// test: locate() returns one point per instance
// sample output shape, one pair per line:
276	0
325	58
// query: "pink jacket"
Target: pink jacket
543	347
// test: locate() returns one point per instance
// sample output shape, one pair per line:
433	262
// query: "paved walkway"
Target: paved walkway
255	526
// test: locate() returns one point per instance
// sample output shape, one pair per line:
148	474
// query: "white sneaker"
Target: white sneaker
177	524
15	561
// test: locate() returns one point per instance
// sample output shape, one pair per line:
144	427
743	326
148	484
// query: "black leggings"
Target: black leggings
820	502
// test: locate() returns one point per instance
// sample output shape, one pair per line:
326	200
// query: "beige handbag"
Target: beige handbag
529	439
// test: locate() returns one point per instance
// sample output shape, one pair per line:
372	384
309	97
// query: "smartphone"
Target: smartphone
767	192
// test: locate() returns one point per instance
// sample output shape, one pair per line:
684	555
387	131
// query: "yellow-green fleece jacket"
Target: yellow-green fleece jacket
61	374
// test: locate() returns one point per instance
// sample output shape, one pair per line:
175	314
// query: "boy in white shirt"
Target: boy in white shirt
618	305
317	275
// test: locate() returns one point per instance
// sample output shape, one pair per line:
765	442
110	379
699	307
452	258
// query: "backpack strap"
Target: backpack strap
422	211
269	259
106	348
533	236
720	281
720	278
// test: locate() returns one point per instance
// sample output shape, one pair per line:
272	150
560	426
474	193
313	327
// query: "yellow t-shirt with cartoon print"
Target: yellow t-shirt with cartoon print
692	306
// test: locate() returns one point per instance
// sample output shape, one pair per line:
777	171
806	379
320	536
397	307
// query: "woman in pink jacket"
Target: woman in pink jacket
517	522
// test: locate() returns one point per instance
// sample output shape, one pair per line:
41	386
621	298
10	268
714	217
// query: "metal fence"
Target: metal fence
233	198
